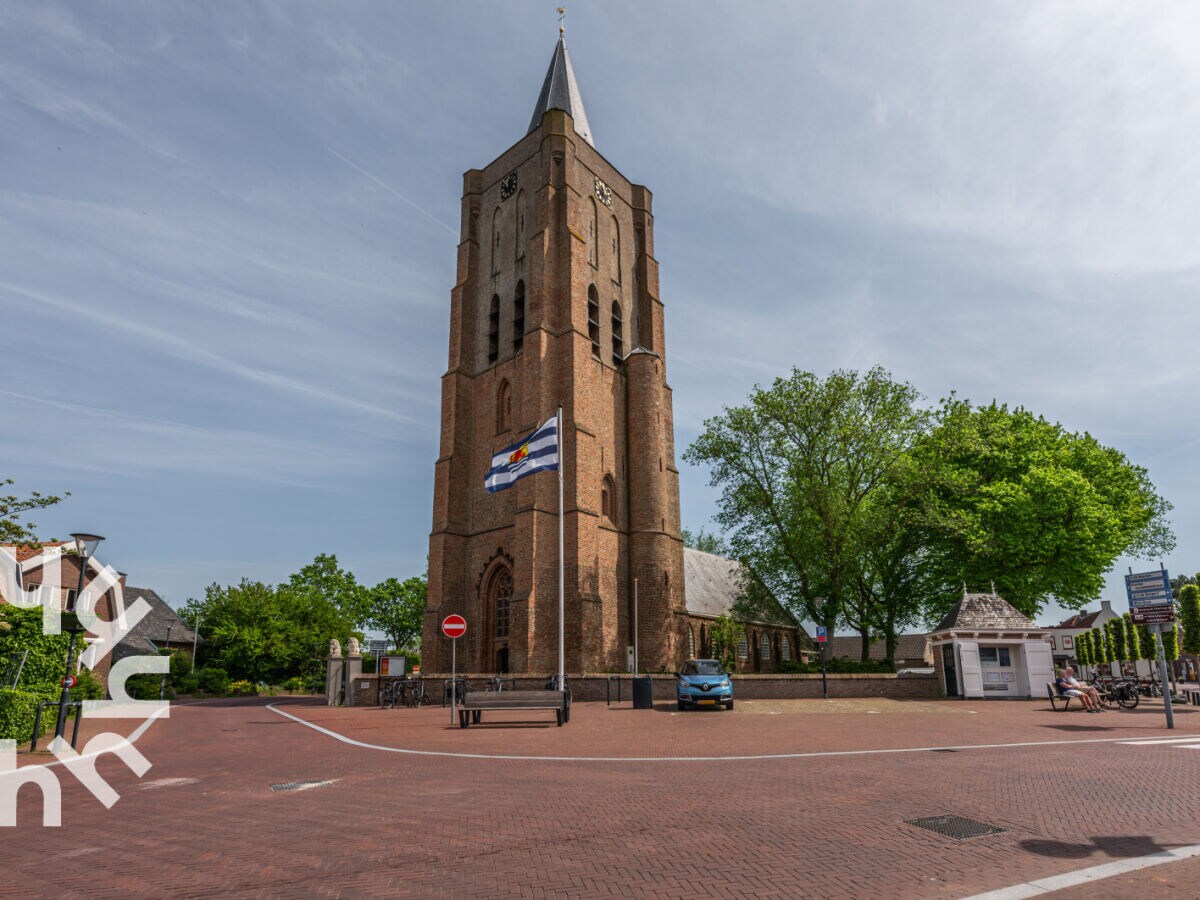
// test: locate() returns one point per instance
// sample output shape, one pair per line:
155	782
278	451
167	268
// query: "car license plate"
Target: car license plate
706	702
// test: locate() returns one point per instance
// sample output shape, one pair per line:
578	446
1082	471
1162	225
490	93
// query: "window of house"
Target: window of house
764	647
593	311
785	648
993	657
743	647
519	317
618	341
494	330
503	406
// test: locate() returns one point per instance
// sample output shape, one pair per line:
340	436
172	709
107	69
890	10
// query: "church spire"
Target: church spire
559	91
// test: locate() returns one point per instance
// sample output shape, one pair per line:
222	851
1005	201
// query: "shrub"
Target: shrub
243	689
213	680
296	685
17	709
836	666
186	684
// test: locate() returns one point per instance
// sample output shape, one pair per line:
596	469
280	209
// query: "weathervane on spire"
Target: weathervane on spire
562	21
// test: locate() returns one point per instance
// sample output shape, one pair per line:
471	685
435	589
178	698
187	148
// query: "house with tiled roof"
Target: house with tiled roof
1062	636
986	647
713	587
161	627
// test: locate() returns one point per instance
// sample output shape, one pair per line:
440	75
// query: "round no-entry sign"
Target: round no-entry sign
70	681
454	626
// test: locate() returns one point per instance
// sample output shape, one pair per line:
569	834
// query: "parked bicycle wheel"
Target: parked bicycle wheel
1128	698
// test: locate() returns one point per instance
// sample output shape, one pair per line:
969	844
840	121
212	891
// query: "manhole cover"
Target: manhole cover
956	827
299	785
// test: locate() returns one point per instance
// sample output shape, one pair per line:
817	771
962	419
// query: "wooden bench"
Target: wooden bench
1056	698
475	702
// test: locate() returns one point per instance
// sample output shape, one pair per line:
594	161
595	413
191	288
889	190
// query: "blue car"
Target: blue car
703	682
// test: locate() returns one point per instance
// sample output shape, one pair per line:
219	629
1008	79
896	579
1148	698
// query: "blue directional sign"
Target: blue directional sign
822	637
1148	589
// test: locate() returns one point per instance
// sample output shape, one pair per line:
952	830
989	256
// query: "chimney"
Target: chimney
1106	606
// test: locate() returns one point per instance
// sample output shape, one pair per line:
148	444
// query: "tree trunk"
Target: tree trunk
865	633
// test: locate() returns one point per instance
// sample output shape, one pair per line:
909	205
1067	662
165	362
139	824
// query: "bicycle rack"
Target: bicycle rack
37	722
608	689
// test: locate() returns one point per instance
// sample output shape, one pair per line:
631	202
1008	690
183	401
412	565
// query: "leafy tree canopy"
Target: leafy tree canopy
14	528
398	610
324	577
1039	511
703	541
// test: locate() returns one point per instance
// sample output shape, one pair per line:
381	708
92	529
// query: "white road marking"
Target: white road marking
1192	739
620	759
1084	876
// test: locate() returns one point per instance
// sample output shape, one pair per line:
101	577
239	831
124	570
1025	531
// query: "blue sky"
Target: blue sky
227	239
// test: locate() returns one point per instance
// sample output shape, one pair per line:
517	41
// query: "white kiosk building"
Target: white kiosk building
984	647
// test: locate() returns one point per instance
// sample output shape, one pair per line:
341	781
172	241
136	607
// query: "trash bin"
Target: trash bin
643	692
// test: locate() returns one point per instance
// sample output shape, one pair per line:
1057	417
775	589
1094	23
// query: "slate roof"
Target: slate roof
909	647
153	626
980	611
559	91
713	584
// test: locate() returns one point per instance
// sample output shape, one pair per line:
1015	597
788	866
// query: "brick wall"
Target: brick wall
746	687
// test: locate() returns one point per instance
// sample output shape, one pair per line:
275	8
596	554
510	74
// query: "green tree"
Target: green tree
398	610
725	635
1132	646
803	469
703	541
1170	641
14	527
1189	616
324	577
1083	648
1146	643
258	632
1041	512
1103	648
1115	629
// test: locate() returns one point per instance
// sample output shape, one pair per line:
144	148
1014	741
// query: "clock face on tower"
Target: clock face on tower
603	193
508	186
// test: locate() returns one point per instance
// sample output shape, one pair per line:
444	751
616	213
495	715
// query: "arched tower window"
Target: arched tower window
594	234
519	250
608	499
618	339
494	330
616	250
503	406
519	317
496	241
593	312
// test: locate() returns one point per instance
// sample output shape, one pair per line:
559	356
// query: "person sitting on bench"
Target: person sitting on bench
1068	686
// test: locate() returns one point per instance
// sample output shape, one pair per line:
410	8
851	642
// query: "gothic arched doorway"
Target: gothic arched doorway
498	609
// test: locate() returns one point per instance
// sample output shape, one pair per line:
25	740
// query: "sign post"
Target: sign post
454	626
1151	604
823	638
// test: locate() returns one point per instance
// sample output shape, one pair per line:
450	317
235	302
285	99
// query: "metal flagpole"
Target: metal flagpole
562	675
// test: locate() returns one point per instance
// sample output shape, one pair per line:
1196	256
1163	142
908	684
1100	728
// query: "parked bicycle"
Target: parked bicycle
1122	692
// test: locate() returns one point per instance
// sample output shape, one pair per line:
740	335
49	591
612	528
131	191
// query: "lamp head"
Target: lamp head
85	544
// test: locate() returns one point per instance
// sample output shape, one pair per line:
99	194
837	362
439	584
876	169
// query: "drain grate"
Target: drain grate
299	785
956	827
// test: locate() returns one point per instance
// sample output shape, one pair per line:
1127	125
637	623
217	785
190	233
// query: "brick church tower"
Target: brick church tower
556	301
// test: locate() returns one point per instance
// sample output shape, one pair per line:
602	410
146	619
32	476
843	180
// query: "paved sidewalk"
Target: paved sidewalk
205	820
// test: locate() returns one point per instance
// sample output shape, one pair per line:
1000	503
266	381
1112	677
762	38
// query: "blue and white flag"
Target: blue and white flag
536	453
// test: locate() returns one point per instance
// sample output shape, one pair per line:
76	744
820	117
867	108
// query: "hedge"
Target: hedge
17	711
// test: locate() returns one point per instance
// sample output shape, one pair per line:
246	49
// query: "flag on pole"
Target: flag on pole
536	453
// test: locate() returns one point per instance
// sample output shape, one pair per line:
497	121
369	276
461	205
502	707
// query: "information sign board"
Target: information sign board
392	665
1148	589
1152	615
822	636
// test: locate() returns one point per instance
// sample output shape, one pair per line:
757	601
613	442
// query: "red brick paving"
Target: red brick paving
830	826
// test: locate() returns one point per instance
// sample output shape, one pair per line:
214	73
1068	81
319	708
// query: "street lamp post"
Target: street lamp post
85	548
162	685
820	602
195	640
